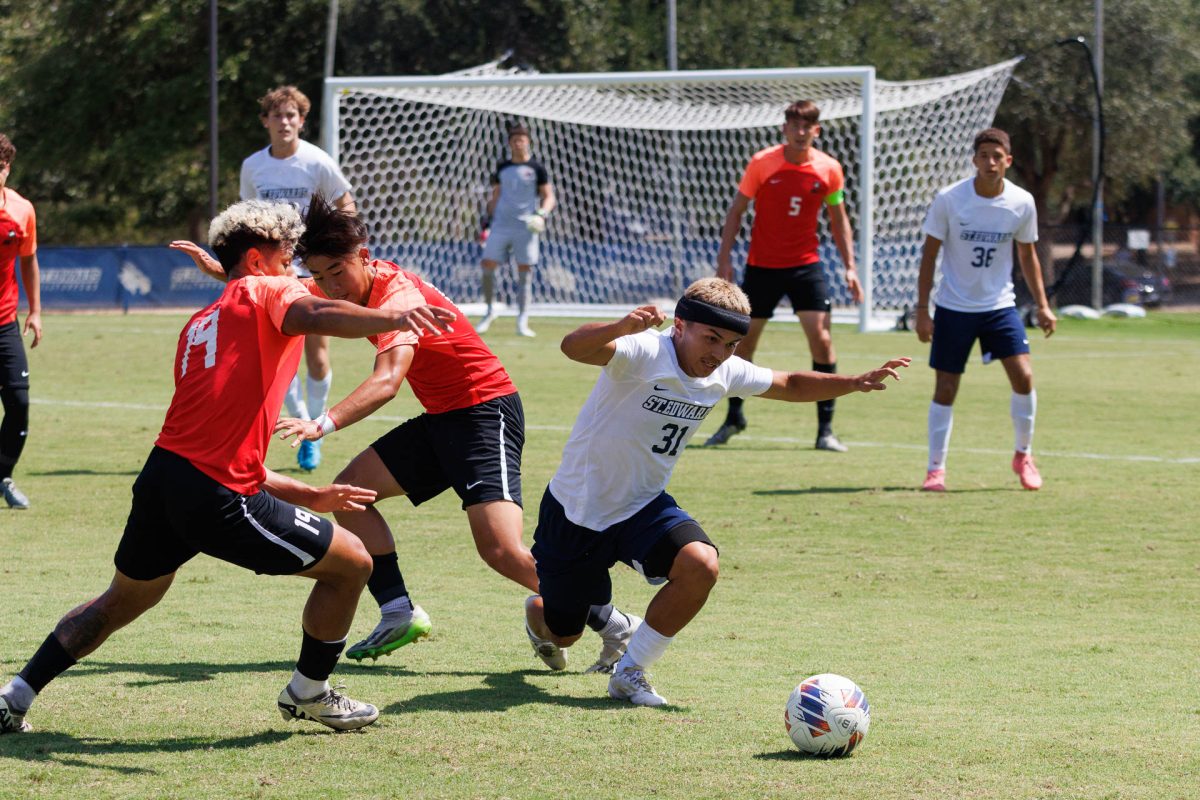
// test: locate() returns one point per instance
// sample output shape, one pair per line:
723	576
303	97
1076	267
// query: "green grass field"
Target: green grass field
1012	644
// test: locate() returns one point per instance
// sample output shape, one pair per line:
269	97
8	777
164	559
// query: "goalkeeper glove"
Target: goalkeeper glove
536	222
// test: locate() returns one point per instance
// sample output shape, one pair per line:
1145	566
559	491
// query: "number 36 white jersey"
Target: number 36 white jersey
977	236
636	423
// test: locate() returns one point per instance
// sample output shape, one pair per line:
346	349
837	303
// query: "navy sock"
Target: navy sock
317	658
50	661
386	583
825	407
734	416
598	616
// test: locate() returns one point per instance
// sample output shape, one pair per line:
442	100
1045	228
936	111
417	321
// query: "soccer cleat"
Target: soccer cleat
614	647
332	709
12	495
726	432
486	322
388	636
1022	464
830	442
551	654
10	720
633	684
523	328
309	457
935	481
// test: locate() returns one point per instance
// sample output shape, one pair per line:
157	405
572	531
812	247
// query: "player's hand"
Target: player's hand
206	263
873	381
426	319
535	223
724	267
924	325
854	285
33	324
1046	320
340	497
643	318
302	429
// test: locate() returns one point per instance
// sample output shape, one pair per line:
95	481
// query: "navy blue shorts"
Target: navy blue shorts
804	286
1000	334
573	561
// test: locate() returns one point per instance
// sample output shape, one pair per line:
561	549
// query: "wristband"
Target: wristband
326	424
541	212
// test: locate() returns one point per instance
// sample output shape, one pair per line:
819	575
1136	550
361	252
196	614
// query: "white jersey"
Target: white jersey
293	179
636	423
977	236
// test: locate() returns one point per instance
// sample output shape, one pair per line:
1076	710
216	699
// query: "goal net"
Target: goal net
644	166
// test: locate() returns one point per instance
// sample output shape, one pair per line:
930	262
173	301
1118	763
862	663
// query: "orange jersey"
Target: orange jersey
787	201
233	365
18	237
451	371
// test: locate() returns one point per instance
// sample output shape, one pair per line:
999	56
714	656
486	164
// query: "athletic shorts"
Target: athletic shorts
178	511
476	451
14	367
573	561
804	286
1000	334
517	239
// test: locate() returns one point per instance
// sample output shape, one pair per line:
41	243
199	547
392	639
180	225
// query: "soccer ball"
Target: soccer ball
827	715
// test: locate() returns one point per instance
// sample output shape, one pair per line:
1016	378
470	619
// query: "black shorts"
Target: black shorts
178	511
804	286
14	367
476	451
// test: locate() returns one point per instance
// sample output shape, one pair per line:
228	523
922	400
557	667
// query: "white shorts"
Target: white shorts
518	240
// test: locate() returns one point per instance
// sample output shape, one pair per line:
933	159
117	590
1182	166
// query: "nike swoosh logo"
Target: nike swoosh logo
775	180
25	374
471	486
658	388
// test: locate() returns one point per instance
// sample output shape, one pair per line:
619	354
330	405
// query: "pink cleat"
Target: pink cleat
1022	464
935	481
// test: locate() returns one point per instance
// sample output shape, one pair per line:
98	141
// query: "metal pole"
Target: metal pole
213	165
1097	176
673	166
866	210
330	51
672	37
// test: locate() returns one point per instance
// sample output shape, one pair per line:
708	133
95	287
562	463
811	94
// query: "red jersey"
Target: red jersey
448	372
18	237
787	200
232	368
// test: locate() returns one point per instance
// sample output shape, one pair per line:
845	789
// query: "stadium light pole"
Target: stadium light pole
1097	163
212	109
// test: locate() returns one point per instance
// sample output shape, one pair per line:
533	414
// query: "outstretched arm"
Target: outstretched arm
805	387
729	233
323	499
338	318
595	342
207	264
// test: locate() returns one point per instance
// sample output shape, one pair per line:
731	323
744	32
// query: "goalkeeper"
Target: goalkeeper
522	198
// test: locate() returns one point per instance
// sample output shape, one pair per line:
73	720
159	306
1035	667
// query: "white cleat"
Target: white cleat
10	721
523	328
12	495
633	684
831	443
614	646
332	709
486	322
551	654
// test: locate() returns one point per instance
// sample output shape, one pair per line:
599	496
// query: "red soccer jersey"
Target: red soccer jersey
787	200
18	237
232	368
451	371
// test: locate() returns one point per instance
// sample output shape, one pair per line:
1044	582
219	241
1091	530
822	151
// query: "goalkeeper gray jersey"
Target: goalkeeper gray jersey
518	191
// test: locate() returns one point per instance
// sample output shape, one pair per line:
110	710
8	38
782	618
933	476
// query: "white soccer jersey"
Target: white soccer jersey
977	236
294	179
636	423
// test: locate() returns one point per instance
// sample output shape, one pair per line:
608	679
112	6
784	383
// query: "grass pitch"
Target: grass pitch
1012	644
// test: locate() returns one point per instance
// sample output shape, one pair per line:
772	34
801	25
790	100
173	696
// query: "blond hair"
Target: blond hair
720	293
253	223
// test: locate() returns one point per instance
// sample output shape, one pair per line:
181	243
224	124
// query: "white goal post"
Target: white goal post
645	165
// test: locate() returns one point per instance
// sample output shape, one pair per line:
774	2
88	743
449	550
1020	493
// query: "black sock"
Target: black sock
825	407
317	658
50	661
734	416
598	616
13	427
386	583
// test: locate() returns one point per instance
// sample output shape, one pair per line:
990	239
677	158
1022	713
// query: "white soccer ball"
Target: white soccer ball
827	715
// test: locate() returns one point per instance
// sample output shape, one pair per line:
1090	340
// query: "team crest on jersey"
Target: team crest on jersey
817	188
526	173
675	408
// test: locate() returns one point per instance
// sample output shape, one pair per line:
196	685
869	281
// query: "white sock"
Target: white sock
305	688
20	695
1023	409
618	623
941	422
489	288
524	291
318	393
645	647
295	400
397	609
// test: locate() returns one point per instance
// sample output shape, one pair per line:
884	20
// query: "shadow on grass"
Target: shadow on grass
71	473
871	489
179	671
794	755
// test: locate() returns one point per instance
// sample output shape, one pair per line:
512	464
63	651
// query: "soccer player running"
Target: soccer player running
974	223
522	198
18	240
789	184
608	502
290	170
204	488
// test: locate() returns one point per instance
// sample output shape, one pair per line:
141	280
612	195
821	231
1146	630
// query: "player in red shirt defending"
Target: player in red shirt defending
790	183
202	488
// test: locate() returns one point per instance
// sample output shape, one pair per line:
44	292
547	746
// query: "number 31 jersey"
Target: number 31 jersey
977	236
636	423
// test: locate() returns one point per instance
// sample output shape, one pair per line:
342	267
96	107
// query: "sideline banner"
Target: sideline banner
121	277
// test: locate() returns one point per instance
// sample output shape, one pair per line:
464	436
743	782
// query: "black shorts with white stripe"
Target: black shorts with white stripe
476	451
178	512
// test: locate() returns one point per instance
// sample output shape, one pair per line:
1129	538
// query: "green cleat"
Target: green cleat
389	636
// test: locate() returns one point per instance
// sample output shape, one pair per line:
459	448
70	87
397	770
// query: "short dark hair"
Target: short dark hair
329	231
992	136
802	111
516	128
7	150
281	95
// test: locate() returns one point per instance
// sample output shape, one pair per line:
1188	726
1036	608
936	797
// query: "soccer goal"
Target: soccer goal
645	165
